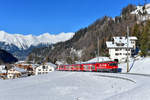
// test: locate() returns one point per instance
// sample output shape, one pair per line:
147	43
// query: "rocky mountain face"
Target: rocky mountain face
20	45
6	57
83	45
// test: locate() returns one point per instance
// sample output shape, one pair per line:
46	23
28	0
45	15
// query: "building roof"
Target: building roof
51	64
111	45
48	64
19	69
122	41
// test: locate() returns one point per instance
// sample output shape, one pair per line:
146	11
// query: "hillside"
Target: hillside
6	57
83	45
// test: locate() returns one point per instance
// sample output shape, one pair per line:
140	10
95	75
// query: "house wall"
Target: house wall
120	54
13	74
43	70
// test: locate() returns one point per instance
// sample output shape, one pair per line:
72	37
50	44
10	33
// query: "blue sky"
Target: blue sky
55	16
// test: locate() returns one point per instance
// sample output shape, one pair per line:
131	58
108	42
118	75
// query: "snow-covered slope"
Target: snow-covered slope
25	41
140	9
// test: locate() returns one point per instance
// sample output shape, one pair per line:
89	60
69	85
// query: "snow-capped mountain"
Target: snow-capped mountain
26	41
21	45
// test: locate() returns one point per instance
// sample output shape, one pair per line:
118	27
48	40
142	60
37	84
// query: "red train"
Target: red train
109	66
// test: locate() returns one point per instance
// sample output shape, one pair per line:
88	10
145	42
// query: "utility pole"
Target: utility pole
98	49
127	49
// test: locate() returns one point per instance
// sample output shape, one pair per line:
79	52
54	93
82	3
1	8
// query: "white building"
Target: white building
43	69
118	47
2	69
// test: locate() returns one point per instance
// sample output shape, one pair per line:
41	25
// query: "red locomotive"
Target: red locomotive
109	66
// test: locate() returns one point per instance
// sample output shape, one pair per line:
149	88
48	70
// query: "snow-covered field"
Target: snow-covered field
80	85
138	66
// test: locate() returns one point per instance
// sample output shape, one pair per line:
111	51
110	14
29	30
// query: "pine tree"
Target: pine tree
69	60
137	33
145	40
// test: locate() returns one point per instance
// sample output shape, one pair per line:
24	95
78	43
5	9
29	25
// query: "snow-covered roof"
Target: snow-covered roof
98	59
35	65
48	64
133	38
20	69
120	42
111	45
123	39
51	64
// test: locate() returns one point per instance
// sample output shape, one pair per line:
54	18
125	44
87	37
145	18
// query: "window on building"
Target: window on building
117	49
132	42
50	69
127	49
43	67
116	54
46	67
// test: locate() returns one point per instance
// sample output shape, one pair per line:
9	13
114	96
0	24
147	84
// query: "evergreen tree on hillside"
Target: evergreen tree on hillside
137	32
145	40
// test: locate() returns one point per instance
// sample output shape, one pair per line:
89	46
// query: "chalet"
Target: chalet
118	48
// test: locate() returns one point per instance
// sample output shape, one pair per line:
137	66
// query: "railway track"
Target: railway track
121	77
118	77
125	78
138	74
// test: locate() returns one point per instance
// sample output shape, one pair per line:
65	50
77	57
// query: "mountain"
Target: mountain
143	12
83	46
6	57
142	9
20	45
26	41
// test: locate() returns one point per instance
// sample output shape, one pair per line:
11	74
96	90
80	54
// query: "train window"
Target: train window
113	64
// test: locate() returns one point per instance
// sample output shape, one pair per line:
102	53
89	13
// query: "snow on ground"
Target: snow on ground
81	85
142	65
63	86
